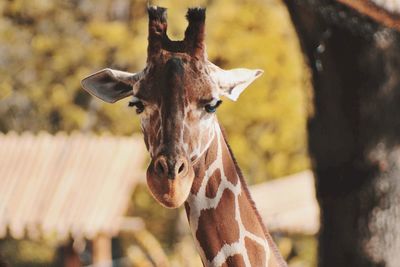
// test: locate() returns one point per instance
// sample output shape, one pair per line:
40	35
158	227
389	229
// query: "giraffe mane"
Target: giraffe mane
253	205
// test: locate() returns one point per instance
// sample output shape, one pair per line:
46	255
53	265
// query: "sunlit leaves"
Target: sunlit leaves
112	34
47	47
266	127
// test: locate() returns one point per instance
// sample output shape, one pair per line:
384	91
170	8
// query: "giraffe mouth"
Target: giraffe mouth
171	192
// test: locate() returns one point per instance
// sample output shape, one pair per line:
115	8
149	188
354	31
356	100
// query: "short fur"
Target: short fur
275	250
176	95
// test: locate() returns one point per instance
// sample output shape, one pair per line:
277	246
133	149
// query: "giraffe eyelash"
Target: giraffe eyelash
135	102
212	106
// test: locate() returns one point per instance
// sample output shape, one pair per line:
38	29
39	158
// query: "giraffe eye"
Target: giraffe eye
212	107
138	104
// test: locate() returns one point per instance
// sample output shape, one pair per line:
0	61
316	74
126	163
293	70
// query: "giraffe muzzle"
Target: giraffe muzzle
170	180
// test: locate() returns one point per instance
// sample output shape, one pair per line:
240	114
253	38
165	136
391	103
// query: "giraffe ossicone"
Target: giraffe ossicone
176	96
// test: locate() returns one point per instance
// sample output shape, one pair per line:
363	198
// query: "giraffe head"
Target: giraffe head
175	95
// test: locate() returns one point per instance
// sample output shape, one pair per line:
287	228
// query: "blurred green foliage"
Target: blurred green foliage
48	46
26	253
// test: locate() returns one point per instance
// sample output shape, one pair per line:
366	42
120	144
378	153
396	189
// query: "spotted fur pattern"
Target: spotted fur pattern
190	159
204	209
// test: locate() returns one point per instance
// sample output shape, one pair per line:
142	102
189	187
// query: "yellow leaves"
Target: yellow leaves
47	59
44	43
268	122
30	251
130	49
118	118
59	96
112	33
48	46
73	118
5	89
95	55
131	53
278	164
267	142
28	9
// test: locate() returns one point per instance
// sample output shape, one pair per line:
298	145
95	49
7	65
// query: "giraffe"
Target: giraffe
176	96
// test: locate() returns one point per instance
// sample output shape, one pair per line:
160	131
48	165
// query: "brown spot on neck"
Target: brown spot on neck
213	184
249	217
255	252
200	172
276	258
217	227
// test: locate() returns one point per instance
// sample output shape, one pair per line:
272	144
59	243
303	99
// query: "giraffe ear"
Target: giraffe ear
233	82
110	85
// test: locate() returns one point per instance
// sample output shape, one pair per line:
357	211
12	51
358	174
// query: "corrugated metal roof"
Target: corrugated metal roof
79	184
288	204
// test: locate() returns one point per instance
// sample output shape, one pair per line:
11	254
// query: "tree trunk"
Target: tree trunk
354	133
3	263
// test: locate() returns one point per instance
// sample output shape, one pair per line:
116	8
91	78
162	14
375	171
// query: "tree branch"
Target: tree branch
378	13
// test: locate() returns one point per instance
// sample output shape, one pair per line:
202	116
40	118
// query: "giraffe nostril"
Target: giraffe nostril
170	168
161	167
181	168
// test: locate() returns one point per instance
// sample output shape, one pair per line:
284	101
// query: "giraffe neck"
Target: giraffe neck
225	225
